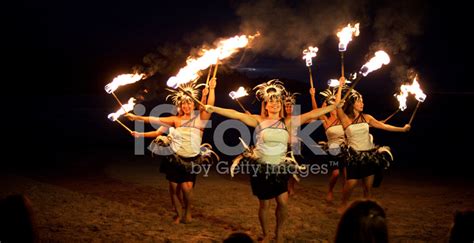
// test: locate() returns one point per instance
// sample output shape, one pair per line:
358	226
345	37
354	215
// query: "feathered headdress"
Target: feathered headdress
290	98
178	96
330	93
269	90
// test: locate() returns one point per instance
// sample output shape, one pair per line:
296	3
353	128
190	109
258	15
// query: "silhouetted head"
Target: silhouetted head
239	237
17	222
363	221
462	228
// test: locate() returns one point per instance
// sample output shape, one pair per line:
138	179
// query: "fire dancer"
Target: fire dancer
184	144
269	155
361	157
335	139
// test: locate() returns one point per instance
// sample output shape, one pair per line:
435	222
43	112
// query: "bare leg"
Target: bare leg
263	217
332	184
281	214
291	186
368	182
175	201
180	193
187	188
346	193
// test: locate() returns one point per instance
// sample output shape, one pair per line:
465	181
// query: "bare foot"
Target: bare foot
330	197
264	239
188	219
176	219
341	209
280	239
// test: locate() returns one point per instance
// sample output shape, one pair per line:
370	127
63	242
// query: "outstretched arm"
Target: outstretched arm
166	121
153	134
380	125
249	120
314	114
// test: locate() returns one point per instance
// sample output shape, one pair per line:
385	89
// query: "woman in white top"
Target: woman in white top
361	158
185	144
270	150
335	139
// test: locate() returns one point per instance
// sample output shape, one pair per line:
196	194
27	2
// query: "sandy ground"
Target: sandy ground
129	201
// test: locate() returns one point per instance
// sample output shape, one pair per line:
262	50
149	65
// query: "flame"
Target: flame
225	48
345	35
381	58
406	89
335	83
126	107
308	54
416	90
122	80
241	92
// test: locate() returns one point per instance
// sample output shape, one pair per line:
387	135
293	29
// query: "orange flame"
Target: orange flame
126	107
225	48
121	80
345	35
406	89
381	58
241	92
308	55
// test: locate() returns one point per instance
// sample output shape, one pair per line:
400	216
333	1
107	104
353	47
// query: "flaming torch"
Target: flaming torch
376	62
125	109
345	36
122	80
225	48
235	95
333	83
419	95
308	55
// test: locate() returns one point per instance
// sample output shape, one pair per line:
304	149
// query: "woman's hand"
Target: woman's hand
130	116
312	91
205	91
212	83
136	134
407	127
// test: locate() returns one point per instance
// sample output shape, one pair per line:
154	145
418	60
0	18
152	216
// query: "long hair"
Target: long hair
349	104
363	221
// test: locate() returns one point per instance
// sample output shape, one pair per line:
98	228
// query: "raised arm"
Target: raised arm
249	120
312	92
166	121
380	125
210	99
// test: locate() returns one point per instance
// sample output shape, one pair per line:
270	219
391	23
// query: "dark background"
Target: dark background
61	54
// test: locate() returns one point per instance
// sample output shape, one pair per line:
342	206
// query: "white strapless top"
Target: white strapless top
272	143
335	135
186	141
358	136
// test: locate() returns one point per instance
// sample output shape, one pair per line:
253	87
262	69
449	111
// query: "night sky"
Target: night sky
61	54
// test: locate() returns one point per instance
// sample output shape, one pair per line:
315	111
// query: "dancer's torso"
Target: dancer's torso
272	141
358	136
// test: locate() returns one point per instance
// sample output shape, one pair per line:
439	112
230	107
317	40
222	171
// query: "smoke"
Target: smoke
396	25
288	28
